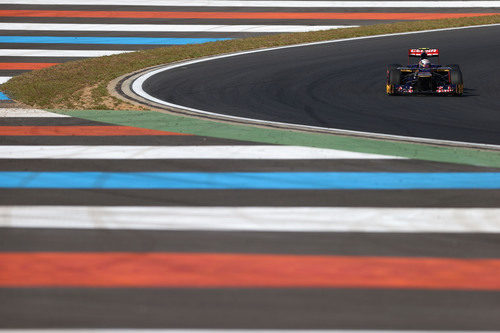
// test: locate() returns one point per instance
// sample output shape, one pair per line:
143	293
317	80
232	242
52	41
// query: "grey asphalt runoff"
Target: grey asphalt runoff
447	245
255	198
112	140
49	121
236	165
265	308
342	85
109	20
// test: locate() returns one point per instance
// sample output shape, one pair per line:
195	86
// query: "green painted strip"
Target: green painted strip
174	123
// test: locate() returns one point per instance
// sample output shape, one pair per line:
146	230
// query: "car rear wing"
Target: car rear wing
423	53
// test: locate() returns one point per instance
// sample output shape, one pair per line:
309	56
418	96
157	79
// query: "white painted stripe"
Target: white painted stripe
166	27
156	330
10	113
136	87
296	219
4	79
56	53
180	152
301	4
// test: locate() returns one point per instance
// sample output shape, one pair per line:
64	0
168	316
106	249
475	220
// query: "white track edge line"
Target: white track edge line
196	330
138	83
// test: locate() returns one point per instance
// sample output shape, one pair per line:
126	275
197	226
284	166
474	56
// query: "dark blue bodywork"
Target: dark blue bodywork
433	80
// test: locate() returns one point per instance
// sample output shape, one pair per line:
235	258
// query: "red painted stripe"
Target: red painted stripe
49	269
237	15
25	65
79	130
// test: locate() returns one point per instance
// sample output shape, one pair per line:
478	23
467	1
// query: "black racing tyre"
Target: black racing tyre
390	68
393	77
456	78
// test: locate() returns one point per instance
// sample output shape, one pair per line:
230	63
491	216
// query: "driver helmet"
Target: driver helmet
424	63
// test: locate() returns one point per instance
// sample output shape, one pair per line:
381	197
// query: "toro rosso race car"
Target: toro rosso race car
424	77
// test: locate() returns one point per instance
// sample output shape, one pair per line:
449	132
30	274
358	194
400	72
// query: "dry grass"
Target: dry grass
82	84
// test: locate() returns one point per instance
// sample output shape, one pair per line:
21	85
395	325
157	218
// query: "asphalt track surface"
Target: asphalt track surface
43	306
342	85
260	308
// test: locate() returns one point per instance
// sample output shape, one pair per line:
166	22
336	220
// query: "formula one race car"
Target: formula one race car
424	77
